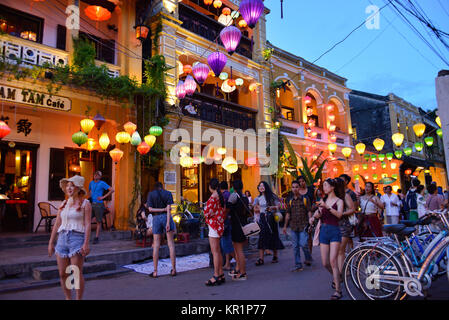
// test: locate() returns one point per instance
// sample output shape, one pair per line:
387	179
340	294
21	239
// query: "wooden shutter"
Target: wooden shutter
57	172
61	37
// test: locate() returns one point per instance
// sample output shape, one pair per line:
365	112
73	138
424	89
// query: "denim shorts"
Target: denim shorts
160	222
329	233
226	243
69	243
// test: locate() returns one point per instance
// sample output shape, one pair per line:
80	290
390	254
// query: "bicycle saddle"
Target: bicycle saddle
409	223
406	232
393	228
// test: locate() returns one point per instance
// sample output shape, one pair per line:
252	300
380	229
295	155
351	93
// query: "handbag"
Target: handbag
353	220
252	228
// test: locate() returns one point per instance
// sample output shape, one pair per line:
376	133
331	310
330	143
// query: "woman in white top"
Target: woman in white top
73	228
392	205
421	199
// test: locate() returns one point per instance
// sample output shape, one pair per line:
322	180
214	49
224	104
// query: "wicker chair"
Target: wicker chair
46	214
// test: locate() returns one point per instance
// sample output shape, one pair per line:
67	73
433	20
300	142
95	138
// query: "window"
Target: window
288	113
21	24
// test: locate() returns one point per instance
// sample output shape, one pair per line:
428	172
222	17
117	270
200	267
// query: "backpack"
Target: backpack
412	200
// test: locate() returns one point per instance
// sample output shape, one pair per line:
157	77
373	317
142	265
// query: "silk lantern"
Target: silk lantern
378	144
180	90
438	121
156	131
408	151
100	13
190	85
398	154
381	157
398	139
150	140
187	69
136	140
201	72
79	138
5	130
116	155
217	61
360	147
217	4
130	127
99	121
419	129
104	141
419	146
87	125
208	2
390	156
122	137
230	37
440	132
91	144
143	148
346	152
230	165
429	141
332	147
251	10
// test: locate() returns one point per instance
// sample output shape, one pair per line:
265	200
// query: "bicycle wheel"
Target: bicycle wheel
349	273
374	266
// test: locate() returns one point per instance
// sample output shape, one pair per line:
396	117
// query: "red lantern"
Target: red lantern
142	32
143	148
408	172
116	155
231	82
97	13
187	69
226	11
243	24
4	129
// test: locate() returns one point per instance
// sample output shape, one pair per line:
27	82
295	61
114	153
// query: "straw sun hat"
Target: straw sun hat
78	181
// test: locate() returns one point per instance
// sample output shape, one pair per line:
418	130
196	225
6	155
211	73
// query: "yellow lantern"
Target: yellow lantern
150	140
185	150
398	139
332	147
104	141
91	144
116	155
130	127
378	144
87	125
419	129
122	137
393	165
360	147
230	165
221	151
186	162
346	152
438	121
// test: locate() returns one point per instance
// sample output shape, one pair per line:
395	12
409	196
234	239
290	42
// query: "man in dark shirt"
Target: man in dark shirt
159	204
299	214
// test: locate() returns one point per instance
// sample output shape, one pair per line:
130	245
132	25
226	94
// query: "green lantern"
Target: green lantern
429	141
440	132
79	138
223	76
357	177
366	156
136	139
389	156
384	165
365	166
408	151
381	157
156	131
398	154
419	146
373	158
394	176
375	177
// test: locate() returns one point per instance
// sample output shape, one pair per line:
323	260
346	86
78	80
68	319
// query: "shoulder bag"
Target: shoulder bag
250	229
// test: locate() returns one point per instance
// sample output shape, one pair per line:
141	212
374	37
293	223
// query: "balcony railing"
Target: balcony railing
208	108
209	28
31	53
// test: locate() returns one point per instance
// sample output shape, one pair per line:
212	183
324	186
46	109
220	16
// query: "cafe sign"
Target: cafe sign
34	98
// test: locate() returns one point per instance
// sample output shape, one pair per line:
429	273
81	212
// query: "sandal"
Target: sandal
151	275
240	277
259	262
233	272
275	260
173	273
222	279
337	295
217	282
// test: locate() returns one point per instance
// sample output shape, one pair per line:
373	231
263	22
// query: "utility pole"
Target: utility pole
442	92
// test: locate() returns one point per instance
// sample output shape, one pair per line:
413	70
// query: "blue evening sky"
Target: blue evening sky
389	64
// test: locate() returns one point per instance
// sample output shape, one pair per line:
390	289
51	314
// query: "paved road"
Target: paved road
268	282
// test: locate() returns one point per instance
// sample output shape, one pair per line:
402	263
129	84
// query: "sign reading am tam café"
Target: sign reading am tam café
34	98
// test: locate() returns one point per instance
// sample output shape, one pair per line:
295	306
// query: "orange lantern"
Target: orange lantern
331	118
130	127
218	4
332	127
226	11
143	148
208	2
231	82
97	13
187	69
408	172
243	24
4	129
142	32
116	155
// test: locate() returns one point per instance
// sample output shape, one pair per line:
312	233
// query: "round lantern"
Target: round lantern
419	146
79	138
185	150
307	100
365	166
373	158
221	151
97	13
217	4
5	130
398	139
143	148
87	125
393	165
360	147
99	121
398	154
242	23
332	147
366	157
251	10
150	140
390	156
136	139
231	83
116	155
180	90
408	172
208	2
429	141
378	144
226	11
156	131
408	151
235	14
330	107
201	72
357	177
230	37
384	165
122	137
440	132
438	121
91	144
331	117
375	177
374	167
346	152
332	128
230	165
223	76
239	82
217	61
186	162
381	157
130	127
419	129
187	69
189	85
104	141
225	87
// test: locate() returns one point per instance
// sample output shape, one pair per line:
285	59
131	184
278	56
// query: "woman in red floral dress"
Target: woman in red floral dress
214	214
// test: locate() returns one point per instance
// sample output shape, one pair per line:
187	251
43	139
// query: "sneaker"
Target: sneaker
95	240
298	269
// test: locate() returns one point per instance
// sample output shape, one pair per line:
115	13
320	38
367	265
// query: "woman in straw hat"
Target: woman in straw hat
73	228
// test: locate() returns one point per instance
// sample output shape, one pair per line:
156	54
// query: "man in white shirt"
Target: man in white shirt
392	205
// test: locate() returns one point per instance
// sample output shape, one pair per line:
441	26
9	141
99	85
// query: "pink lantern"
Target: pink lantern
180	90
230	36
189	85
307	100
200	72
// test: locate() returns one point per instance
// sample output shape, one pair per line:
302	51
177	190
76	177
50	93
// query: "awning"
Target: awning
417	162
